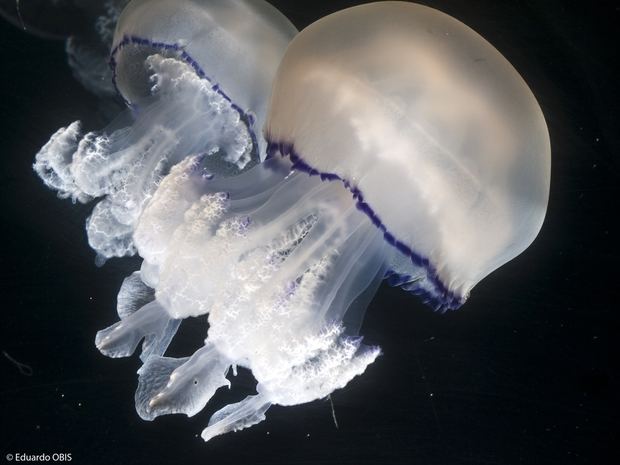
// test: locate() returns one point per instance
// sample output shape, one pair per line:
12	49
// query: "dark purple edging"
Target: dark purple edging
441	298
187	58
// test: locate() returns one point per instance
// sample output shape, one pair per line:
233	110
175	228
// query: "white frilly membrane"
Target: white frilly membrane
282	263
123	164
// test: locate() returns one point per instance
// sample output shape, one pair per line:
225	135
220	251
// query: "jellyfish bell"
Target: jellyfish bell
431	130
196	75
236	45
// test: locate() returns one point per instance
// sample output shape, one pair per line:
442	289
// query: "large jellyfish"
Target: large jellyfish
196	75
402	145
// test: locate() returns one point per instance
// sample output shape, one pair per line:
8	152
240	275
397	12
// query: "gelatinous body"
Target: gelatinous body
88	27
431	125
187	95
400	145
235	45
88	53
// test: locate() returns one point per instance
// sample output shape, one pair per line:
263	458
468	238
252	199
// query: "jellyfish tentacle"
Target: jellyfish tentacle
326	234
187	182
362	259
53	163
251	184
293	264
278	212
176	51
133	295
157	344
293	268
153	376
151	323
280	208
325	361
235	417
125	162
141	318
168	385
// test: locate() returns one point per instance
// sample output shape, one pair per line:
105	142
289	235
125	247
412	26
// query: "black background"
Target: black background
524	373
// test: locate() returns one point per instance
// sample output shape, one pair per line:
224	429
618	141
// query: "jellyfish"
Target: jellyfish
88	52
88	28
196	77
401	146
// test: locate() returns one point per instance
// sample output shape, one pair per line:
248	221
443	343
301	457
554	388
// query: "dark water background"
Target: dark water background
523	374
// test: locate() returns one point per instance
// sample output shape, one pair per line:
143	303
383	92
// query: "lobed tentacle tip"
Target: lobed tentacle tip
238	416
110	342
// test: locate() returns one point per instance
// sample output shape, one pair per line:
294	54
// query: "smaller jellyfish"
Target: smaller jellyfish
88	28
195	82
402	145
88	52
